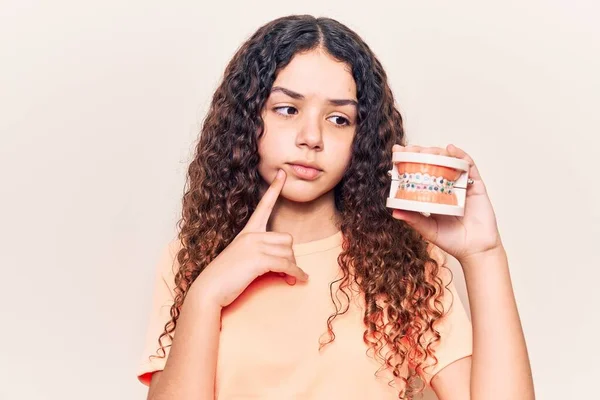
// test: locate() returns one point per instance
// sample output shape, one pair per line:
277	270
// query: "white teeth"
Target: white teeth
425	182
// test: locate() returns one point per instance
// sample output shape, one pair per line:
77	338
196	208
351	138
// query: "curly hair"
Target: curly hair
388	260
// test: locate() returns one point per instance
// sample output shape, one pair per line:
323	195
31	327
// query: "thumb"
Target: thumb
426	226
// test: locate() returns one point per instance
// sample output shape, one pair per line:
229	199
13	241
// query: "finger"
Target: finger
290	280
281	251
279	264
259	218
460	153
298	273
282	238
432	150
413	149
426	226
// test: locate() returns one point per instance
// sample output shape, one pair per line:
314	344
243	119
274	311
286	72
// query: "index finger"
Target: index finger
259	218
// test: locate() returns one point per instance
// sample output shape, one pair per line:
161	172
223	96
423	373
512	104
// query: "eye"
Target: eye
339	121
286	111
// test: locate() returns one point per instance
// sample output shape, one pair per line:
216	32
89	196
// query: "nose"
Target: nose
310	134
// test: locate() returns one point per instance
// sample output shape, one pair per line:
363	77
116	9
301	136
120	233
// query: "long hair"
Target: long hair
389	261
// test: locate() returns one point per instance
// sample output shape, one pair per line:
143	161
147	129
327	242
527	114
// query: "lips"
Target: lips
304	171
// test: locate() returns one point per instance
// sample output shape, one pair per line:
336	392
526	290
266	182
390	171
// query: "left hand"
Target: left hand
462	237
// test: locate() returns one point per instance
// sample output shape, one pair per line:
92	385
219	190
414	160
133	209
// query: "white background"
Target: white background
100	103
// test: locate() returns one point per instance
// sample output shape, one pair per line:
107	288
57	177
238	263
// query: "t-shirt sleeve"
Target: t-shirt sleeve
160	314
456	335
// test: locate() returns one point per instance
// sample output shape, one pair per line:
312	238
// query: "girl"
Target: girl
290	279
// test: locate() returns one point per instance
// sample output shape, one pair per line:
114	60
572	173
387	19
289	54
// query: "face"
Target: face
310	119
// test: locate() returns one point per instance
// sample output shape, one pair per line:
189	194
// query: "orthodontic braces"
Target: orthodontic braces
417	181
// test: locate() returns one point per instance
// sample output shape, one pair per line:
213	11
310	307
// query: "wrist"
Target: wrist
202	299
482	257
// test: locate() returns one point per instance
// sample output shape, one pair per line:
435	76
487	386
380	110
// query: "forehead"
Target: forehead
317	73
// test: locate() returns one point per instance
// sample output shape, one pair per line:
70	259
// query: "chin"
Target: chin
299	193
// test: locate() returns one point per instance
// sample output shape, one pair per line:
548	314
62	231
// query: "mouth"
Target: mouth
304	171
430	183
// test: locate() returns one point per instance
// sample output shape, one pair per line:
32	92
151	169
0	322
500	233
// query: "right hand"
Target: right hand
253	252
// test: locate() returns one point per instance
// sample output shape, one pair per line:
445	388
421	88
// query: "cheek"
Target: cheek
269	147
343	151
273	145
270	153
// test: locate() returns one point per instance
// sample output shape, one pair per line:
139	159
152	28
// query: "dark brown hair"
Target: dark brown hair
389	261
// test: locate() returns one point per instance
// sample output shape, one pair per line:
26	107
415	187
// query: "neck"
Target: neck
305	221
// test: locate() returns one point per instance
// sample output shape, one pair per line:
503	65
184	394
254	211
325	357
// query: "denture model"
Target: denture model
428	183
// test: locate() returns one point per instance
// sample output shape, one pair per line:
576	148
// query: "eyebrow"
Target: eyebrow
298	96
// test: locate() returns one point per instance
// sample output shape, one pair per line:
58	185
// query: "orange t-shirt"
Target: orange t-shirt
269	343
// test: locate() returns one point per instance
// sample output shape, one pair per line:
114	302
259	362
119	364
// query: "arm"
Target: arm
499	364
499	367
190	369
